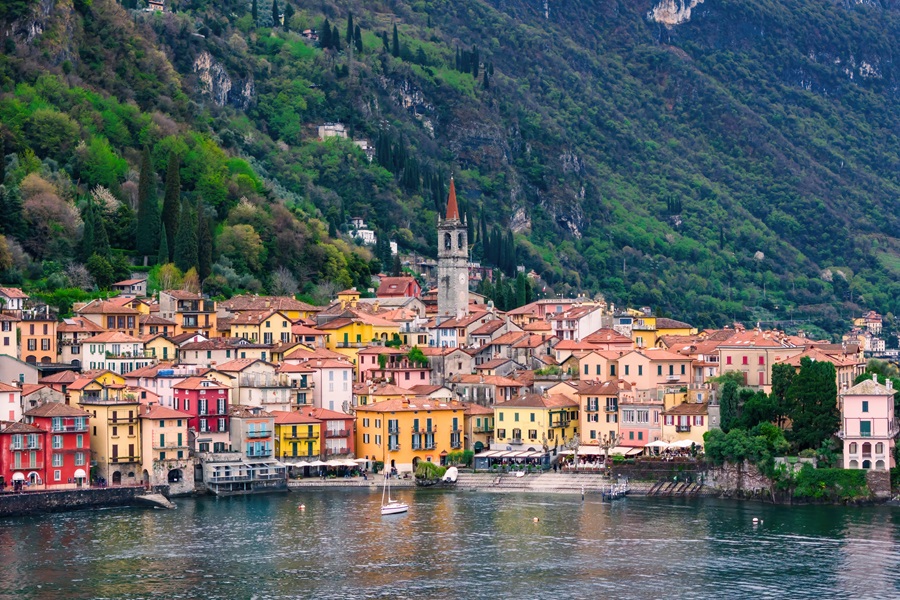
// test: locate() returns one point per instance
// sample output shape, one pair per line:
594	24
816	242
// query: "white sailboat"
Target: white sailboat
389	506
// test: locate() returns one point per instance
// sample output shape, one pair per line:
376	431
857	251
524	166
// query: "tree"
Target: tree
486	83
288	15
2	159
349	27
336	39
728	405
757	408
384	42
168	277
395	266
395	48
148	210
102	272
186	245
325	36
254	12
204	243
276	20
191	281
782	377
101	238
357	39
87	234
172	201
162	256
813	395
520	290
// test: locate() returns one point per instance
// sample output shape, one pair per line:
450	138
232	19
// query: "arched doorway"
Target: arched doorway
854	464
117	478
34	478
175	476
393	463
879	465
76	362
145	477
867	464
415	463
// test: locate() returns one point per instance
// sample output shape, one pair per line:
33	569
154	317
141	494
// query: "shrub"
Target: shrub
831	484
428	470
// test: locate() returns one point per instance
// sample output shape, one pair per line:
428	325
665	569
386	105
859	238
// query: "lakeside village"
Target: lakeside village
240	395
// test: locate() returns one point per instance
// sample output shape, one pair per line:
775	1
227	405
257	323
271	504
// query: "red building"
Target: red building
337	435
67	448
207	401
21	454
398	287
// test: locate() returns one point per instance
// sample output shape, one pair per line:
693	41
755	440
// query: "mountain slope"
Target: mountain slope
736	162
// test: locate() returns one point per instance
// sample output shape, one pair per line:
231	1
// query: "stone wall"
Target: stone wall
879	483
656	470
740	481
32	503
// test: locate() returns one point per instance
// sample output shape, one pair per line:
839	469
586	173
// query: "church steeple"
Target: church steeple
452	207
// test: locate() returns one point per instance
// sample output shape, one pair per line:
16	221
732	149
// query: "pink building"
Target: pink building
868	425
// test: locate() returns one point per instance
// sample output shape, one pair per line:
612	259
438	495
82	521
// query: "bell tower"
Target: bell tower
453	262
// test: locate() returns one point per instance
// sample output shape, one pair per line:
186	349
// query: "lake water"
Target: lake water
453	545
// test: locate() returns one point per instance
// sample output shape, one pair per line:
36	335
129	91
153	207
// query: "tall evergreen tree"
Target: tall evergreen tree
288	15
186	245
162	256
357	38
2	159
13	221
276	21
172	201
87	235
101	237
350	27
458	63
254	12
336	39
384	41
486	83
395	266
813	395
475	61
520	290
395	49
148	209
325	35
728	405
204	243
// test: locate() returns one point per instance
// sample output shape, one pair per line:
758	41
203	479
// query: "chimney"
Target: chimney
874	377
890	384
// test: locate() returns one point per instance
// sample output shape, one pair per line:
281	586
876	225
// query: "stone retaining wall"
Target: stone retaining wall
32	503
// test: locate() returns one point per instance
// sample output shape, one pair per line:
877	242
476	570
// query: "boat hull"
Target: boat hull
394	508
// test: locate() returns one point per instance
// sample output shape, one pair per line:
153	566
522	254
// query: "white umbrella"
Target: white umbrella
300	463
335	463
18	477
683	444
361	460
348	462
318	463
657	444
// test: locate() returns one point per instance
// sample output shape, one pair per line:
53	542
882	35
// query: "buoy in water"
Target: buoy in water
536	520
755	520
301	507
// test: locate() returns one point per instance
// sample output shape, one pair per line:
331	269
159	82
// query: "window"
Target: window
501	417
762	361
57	459
727	360
659	369
57	475
586	367
682	369
698	420
532	417
640	435
365	438
532	434
626	370
612	370
744	360
865	428
57	442
640	370
630	435
366	422
865	406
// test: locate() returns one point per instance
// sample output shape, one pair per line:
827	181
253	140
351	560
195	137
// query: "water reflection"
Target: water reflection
453	545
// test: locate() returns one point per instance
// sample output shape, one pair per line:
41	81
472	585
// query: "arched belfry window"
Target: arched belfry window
448	241
460	240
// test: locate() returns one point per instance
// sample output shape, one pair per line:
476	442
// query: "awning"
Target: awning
657	444
18	477
318	463
625	451
80	474
684	444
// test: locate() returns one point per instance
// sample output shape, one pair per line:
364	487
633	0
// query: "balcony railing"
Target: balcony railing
259	453
33	465
351	345
393	430
682	428
484	429
125	459
338	451
309	457
612	408
305	435
516	441
259	433
331	433
394	448
126	420
169	446
228	478
430	446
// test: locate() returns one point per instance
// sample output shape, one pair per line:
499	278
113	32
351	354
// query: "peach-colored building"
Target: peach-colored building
649	368
868	425
754	352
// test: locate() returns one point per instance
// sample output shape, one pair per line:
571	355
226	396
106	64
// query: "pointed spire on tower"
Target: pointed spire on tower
452	208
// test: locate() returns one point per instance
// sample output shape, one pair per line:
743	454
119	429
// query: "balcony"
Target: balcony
262	433
516	441
682	428
228	478
305	435
430	446
33	465
125	420
169	446
612	408
352	344
124	459
394	448
393	430
308	457
485	429
336	433
329	452
259	454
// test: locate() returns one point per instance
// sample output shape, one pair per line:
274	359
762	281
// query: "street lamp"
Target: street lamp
609	441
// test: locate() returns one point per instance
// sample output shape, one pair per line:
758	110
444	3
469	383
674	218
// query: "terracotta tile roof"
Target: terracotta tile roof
509	338
112	337
493	364
414	403
101	307
182	295
183	337
155	320
5	387
11	427
658	354
62	377
689	408
239	364
30	388
664	323
78	325
255	317
11	292
489	327
317	354
129	282
869	387
838	360
247	412
477	409
538	401
538	326
607	336
163	412
495	380
323	414
255	303
605	388
426	390
283	417
532	341
196	383
301	329
292	368
56	409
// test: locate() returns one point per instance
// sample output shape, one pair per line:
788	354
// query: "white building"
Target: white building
115	351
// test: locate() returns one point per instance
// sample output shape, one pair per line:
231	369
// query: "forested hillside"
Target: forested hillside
714	160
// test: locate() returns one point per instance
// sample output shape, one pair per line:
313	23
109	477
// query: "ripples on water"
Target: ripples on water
453	545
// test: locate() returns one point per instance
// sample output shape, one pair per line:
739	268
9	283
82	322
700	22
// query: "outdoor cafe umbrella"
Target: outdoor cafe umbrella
683	444
318	463
657	444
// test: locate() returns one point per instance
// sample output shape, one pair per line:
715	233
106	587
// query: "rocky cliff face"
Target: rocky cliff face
215	83
673	12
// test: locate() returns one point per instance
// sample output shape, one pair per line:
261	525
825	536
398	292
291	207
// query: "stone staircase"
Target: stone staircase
534	482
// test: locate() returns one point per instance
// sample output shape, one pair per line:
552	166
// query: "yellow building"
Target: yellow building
686	421
479	427
599	411
346	335
96	385
402	432
528	422
647	329
296	437
115	435
293	309
159	346
262	327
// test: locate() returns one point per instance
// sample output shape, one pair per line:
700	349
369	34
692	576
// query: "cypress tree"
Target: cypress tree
288	15
87	236
336	39
275	20
254	12
101	238
458	64
520	290
384	41
186	246
204	243
395	266
325	36
172	202
148	209
486	84
475	62
357	38
162	257
2	159
350	27
395	50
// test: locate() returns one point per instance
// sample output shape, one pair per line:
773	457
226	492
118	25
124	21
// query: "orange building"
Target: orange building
37	339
